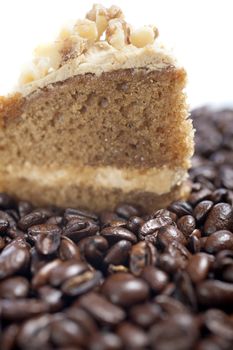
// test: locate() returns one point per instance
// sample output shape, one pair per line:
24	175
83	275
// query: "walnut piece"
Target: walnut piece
87	29
143	36
117	33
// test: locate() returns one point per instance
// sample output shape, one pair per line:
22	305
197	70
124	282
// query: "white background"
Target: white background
199	31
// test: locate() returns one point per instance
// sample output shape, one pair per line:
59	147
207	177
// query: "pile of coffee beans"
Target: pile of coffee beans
71	279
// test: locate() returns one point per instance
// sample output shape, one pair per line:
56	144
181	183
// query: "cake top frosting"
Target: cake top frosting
103	41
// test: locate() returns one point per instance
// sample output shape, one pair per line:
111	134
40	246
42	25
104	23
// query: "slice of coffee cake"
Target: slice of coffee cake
99	117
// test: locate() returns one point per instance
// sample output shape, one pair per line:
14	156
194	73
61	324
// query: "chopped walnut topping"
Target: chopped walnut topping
86	29
143	36
117	33
74	41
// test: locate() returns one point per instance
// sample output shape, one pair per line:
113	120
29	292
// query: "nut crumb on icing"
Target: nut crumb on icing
101	25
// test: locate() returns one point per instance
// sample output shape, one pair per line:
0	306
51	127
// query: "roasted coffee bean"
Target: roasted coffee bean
21	309
185	290
78	228
82	317
219	218
71	213
153	225
142	254
215	293
219	323
66	270
115	234
227	273
24	208
35	333
169	234
3	225
156	278
180	208
14	287
118	253
38	260
134	223
68	250
105	341
94	248
9	337
82	283
186	224
6	217
203	194
214	342
14	258
146	314
194	244
219	195
2	243
55	220
202	209
179	332
101	309
124	289
170	306
52	297
132	336
118	223
218	241
163	213
106	217
127	210
36	217
65	332
47	238
43	274
6	201
199	266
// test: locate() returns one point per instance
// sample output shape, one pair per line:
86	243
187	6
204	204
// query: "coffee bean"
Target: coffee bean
43	274
118	253
141	255
71	213
7	218
169	234
178	333
107	217
219	218
55	220
35	333
127	210
156	278
78	228
6	201
202	209
134	223
14	258
65	332
36	217
194	244
170	306
146	314
203	194
9	337
94	248
219	323
101	309
198	267
124	289
186	224
2	243
218	241
65	270
47	238
215	293
83	318
153	225
115	234
82	283
38	260
164	213
68	250
227	274
24	208
105	341
180	208
14	287
132	336
52	297
3	225
20	309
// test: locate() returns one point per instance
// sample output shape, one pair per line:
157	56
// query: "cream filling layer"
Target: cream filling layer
156	180
102	57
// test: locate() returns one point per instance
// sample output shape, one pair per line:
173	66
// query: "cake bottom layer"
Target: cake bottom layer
94	198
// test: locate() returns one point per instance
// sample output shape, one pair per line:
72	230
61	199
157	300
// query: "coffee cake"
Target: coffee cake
101	116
